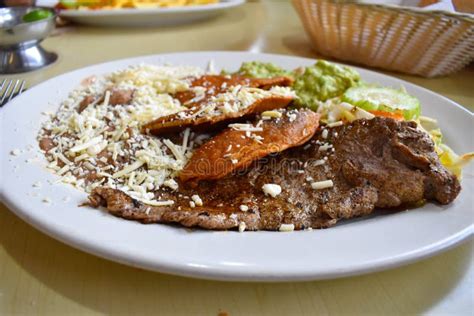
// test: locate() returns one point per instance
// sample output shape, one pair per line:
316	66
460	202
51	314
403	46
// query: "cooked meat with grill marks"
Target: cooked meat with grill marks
190	118
375	163
234	149
215	84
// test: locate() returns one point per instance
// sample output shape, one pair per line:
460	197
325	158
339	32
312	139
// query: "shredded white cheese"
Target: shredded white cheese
87	144
103	144
244	208
158	203
128	169
287	227
324	133
197	199
271	189
334	124
106	98
271	114
319	185
245	127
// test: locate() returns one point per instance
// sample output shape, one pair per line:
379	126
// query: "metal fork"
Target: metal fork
10	89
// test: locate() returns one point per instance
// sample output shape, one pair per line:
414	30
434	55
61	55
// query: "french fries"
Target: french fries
139	4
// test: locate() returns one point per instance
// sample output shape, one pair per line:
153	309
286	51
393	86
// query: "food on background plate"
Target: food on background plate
122	4
292	150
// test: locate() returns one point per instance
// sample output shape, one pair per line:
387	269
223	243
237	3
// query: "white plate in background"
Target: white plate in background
349	248
150	16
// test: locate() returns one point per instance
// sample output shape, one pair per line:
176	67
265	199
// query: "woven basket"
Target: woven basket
409	40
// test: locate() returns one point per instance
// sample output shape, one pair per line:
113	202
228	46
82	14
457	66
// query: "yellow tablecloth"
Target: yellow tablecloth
39	275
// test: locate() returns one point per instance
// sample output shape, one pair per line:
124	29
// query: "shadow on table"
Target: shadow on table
108	287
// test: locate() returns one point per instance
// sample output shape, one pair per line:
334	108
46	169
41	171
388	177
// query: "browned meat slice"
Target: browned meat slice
46	144
215	84
194	117
119	97
85	103
122	205
371	163
238	146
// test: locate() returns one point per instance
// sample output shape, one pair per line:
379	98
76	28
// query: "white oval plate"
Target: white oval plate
352	247
148	17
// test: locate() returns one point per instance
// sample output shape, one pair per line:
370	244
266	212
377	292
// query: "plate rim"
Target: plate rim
228	273
223	4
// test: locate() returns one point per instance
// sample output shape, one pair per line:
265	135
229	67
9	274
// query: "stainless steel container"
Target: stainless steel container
20	49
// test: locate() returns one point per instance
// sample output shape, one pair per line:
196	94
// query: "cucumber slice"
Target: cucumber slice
383	99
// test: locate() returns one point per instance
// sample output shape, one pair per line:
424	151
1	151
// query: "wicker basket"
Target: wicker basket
409	40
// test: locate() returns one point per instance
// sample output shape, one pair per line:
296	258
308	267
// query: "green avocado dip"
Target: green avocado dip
257	69
322	81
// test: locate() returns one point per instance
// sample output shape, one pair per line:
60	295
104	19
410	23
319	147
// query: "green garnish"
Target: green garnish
257	69
323	81
383	99
36	15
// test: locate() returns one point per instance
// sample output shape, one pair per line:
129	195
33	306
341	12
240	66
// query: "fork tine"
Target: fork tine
22	87
6	92
12	94
3	83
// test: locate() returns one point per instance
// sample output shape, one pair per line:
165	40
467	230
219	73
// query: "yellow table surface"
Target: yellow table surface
39	275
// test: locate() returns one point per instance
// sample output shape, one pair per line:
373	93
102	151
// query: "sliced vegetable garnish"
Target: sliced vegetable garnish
394	115
452	161
384	100
349	112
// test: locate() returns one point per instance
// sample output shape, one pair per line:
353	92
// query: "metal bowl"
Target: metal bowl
19	41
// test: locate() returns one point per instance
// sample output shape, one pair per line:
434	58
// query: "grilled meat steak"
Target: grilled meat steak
371	163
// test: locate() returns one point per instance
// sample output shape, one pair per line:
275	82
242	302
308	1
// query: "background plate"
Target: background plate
148	17
352	247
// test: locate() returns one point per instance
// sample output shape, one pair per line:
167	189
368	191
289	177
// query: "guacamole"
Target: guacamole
322	81
257	69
